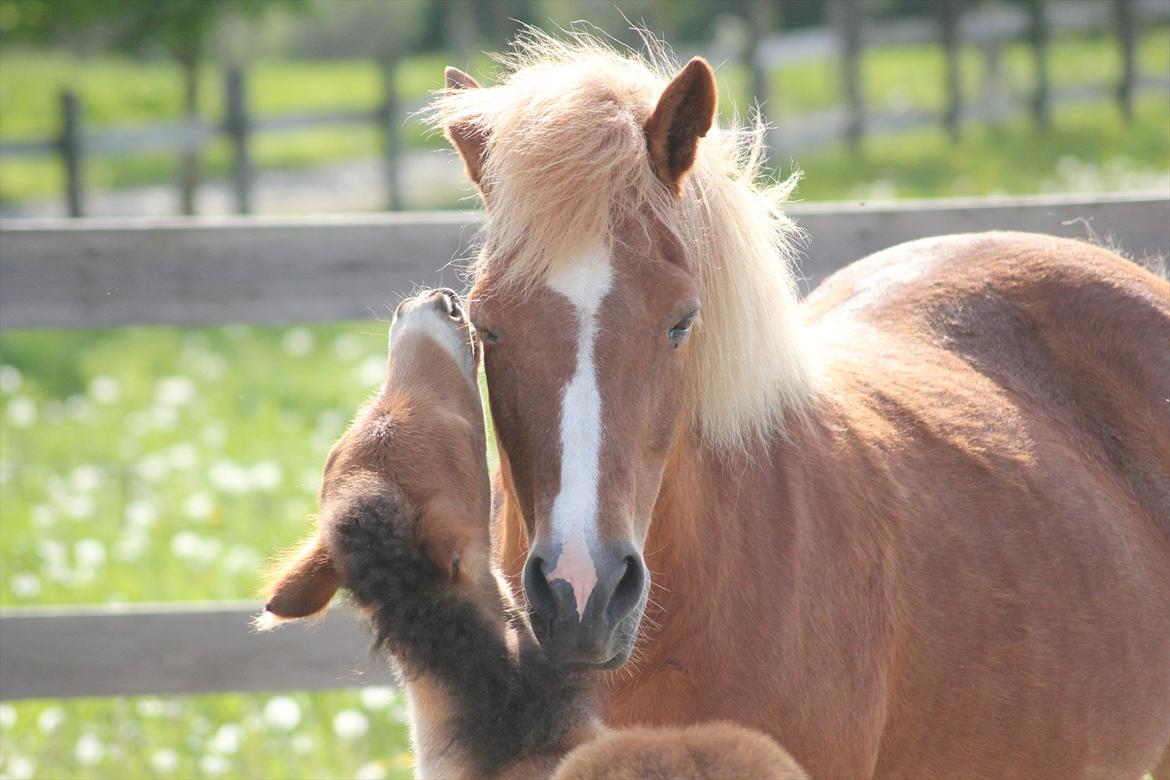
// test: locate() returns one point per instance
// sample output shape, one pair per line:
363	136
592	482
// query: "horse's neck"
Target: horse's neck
743	531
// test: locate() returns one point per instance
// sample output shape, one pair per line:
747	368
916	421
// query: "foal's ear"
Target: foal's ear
447	539
469	141
301	583
683	115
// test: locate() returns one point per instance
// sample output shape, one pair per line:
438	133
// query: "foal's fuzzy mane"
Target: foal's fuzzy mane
507	705
566	163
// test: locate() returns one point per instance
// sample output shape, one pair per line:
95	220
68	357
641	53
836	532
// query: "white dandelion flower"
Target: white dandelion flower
298	342
226	739
372	770
198	506
153	467
25	585
164	761
282	713
229	477
350	724
266	475
50	719
174	391
10	379
140	514
105	390
17	767
214	765
89	553
22	412
90	750
183	457
42	516
377	697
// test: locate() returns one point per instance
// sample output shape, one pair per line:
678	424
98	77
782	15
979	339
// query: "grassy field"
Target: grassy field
118	91
165	464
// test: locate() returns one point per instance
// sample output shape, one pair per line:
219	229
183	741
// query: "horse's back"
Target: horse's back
1076	332
1018	387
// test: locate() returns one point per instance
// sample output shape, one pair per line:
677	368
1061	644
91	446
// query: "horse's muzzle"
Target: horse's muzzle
604	635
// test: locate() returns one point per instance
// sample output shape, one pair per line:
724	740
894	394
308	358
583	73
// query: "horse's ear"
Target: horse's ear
446	539
300	584
469	141
683	115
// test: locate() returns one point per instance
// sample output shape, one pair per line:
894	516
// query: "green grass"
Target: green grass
117	91
169	484
331	734
1087	150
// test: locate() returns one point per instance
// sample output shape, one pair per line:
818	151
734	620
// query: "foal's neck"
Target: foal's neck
505	703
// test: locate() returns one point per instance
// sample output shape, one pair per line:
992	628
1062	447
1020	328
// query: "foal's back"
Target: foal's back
1018	388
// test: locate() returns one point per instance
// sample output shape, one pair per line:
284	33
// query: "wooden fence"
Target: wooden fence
96	273
989	26
239	126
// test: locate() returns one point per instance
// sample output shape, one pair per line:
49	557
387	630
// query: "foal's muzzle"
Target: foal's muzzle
604	635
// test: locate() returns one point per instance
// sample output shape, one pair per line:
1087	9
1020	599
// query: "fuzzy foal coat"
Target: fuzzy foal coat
959	564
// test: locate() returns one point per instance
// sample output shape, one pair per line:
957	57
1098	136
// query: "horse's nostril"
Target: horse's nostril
628	592
539	592
448	302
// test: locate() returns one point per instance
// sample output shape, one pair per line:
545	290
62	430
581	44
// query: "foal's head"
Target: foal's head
416	449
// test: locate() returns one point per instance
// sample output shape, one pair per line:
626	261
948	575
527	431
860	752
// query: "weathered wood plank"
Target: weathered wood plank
98	273
226	270
184	648
839	235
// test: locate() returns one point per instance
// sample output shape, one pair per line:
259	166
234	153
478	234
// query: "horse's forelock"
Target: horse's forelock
567	163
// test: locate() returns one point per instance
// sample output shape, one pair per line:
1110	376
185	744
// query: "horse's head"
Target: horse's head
416	451
587	367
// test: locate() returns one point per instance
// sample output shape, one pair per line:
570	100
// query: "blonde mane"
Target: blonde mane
566	162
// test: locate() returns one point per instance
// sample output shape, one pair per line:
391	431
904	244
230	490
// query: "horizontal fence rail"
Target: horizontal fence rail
166	649
179	271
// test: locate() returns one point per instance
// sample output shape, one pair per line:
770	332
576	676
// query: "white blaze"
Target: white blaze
585	281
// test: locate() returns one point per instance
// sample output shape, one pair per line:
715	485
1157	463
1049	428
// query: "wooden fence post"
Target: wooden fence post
71	151
1038	31
759	25
189	154
848	18
392	143
236	127
949	32
1125	39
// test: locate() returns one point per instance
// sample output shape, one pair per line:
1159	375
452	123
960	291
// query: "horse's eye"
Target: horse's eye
681	330
486	336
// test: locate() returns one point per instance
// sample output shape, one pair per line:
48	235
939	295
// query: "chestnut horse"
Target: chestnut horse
915	526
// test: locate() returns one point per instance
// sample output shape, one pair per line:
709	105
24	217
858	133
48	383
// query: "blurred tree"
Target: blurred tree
181	28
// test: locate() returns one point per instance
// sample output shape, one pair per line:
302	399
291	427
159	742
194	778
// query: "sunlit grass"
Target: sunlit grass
119	91
333	734
1089	148
149	464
